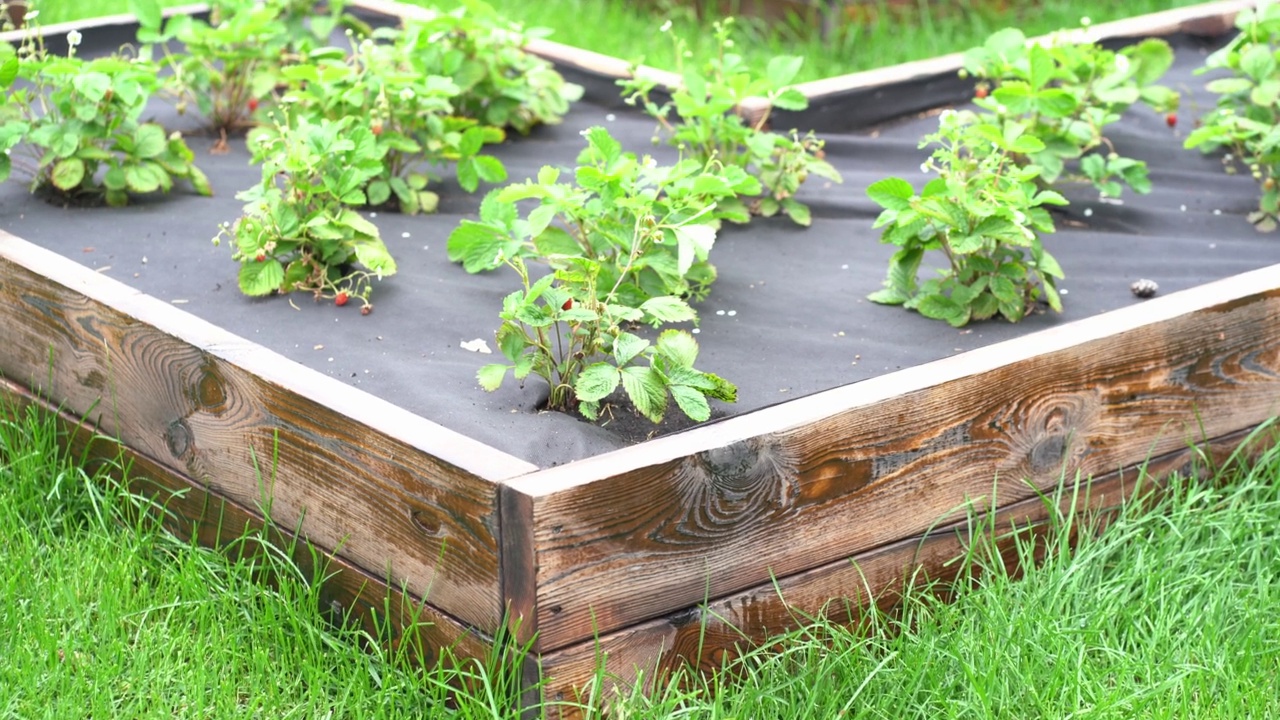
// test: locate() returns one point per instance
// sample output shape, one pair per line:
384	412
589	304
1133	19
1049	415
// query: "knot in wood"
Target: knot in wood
210	392
178	437
733	484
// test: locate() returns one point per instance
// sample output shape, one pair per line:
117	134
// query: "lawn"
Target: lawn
1172	612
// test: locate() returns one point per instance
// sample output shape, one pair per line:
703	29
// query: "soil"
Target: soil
788	316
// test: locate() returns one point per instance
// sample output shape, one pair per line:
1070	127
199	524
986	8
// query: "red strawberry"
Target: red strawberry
981	91
340	299
1171	119
253	104
261	258
376	127
568	304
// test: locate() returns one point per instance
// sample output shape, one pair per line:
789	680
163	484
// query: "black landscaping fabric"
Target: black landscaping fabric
787	317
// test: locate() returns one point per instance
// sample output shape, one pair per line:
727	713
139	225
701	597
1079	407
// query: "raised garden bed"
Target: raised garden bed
859	428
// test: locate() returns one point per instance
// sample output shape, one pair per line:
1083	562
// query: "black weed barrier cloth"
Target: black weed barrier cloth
787	316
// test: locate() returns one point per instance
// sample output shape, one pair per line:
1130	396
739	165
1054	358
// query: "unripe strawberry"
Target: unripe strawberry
340	299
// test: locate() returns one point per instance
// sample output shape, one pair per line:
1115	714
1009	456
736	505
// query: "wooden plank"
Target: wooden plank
348	594
645	530
94	23
706	636
402	497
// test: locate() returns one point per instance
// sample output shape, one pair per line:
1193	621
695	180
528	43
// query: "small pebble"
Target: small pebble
404	234
719	312
695	331
1183	208
731	313
610	117
1088	212
1217	212
373	214
1063	291
1144	288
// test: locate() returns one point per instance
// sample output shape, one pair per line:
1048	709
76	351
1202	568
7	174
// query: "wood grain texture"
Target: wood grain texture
704	637
348	594
402	497
643	531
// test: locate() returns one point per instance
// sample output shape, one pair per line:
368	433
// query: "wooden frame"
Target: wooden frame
674	549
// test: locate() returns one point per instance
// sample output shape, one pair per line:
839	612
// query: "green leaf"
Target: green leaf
678	347
150	140
93	85
891	193
782	69
476	246
491	376
693	241
691	402
9	71
468	175
797	211
941	307
68	174
596	382
375	256
260	278
791	99
668	308
647	391
148	13
627	346
606	148
489	168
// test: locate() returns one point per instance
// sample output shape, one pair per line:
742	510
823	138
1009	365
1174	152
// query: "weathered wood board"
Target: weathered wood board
403	497
621	537
705	636
191	510
669	551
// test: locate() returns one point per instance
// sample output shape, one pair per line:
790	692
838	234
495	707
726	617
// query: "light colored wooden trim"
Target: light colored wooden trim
377	414
803	411
95	23
1152	25
726	506
354	472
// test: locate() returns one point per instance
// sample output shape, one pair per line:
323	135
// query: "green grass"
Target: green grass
878	36
1173	612
881	35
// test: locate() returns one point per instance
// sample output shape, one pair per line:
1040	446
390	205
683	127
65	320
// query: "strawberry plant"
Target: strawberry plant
702	120
410	113
650	227
1068	93
75	126
501	84
1246	120
626	244
983	213
298	231
232	62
